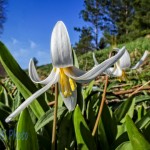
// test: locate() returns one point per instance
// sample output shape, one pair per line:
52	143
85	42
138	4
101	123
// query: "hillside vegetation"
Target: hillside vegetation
136	49
124	103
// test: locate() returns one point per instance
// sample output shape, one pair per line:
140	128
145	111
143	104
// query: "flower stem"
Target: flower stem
101	107
55	118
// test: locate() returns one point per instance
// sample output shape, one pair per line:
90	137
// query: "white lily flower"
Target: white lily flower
143	58
122	64
63	71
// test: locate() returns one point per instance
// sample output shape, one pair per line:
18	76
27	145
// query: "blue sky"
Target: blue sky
29	24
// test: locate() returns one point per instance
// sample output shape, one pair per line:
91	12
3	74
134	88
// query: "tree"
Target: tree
119	21
141	22
95	14
121	14
2	14
85	40
2	20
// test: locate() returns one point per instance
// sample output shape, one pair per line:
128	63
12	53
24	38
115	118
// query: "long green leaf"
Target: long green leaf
145	119
125	146
83	135
4	111
75	59
126	108
142	99
66	133
21	80
110	128
25	135
47	117
102	136
138	141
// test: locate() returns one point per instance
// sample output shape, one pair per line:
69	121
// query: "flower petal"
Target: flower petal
31	98
115	71
110	71
95	60
60	46
34	75
125	61
71	101
143	58
81	76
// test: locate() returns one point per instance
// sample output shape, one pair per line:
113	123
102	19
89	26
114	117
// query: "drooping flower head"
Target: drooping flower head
63	71
122	64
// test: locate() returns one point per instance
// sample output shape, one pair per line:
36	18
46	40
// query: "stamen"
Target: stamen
72	84
123	76
67	84
55	69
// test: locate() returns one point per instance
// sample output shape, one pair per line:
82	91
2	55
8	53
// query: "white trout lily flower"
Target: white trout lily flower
140	62
63	71
122	64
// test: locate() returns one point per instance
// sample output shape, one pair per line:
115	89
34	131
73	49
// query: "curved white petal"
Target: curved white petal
110	71
125	61
95	60
118	71
60	46
143	58
31	98
80	76
34	75
115	71
71	101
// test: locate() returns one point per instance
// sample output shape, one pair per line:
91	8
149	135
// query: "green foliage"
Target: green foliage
26	133
137	139
3	4
126	20
82	132
124	122
140	25
85	41
96	14
121	13
136	49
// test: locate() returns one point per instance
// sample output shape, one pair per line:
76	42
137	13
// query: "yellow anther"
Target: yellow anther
67	84
123	76
55	69
72	84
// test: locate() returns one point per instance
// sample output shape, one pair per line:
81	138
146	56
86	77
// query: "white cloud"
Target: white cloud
32	44
14	41
23	51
